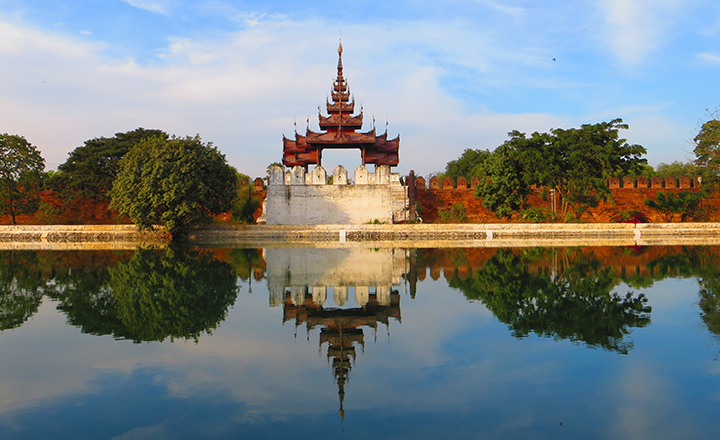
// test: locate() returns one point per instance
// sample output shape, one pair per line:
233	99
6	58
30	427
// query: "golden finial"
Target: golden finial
340	50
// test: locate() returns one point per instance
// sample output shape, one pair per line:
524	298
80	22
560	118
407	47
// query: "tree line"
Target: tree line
147	175
574	164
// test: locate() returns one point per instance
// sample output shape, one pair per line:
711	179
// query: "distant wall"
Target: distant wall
628	194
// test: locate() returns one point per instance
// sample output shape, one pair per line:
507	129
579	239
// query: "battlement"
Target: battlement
299	198
627	182
318	176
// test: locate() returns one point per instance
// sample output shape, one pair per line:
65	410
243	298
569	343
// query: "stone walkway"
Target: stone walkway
372	236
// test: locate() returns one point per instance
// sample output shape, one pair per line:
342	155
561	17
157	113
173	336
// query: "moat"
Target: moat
355	342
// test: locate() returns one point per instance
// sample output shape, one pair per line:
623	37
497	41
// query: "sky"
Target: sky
444	76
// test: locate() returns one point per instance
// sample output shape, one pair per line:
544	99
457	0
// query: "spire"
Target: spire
340	65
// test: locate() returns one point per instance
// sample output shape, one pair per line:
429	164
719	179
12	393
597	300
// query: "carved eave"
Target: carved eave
340	97
335	120
337	107
337	138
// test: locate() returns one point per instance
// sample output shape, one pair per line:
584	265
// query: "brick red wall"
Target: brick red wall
625	199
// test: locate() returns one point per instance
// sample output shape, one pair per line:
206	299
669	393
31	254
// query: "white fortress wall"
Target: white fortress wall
299	198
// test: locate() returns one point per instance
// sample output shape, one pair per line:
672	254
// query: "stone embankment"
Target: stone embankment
373	236
78	237
462	235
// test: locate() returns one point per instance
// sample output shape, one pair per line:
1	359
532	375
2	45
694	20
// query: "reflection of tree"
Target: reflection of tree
244	261
86	299
21	288
576	304
176	293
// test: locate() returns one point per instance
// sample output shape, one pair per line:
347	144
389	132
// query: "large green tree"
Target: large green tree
577	162
468	165
177	182
503	189
91	169
707	148
21	167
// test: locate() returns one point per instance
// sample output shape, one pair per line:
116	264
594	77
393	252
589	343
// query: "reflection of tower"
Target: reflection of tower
342	329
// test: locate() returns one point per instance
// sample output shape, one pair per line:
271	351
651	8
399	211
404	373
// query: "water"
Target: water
592	343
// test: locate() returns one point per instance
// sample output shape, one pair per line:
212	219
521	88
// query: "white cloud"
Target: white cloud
709	57
637	27
243	90
159	6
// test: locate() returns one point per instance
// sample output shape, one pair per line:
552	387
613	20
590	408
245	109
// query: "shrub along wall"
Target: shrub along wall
628	195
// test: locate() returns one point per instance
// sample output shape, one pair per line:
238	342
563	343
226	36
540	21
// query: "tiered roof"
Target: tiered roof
339	131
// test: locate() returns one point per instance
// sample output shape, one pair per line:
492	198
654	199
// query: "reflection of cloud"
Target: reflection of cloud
646	397
150	432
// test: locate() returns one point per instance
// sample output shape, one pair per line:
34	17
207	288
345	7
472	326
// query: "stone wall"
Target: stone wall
628	194
300	198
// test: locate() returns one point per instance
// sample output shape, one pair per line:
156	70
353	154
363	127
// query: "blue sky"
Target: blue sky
446	76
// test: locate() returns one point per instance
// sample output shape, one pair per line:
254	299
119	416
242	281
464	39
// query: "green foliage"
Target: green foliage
177	293
178	183
537	215
457	213
677	169
504	189
685	203
243	209
629	217
576	162
468	165
707	148
577	304
21	288
244	205
91	169
21	167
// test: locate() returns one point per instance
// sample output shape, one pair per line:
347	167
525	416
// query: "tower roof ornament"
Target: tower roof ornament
339	130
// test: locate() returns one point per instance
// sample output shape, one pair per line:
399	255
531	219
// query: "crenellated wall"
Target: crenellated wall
299	198
628	194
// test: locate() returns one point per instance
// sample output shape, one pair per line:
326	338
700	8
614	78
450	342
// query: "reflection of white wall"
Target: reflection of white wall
362	295
333	267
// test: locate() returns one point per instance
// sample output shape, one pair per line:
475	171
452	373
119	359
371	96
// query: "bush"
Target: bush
685	203
457	213
629	217
537	215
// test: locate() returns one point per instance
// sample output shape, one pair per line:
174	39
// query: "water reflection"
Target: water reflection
575	301
453	368
299	279
151	296
21	288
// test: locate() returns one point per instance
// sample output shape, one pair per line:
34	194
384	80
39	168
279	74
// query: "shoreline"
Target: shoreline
80	237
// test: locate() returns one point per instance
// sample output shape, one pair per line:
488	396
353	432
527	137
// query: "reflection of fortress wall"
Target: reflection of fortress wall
366	269
623	262
297	198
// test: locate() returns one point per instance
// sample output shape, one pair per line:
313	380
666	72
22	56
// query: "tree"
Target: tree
21	166
576	162
707	147
91	169
177	182
685	203
503	187
677	169
468	165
